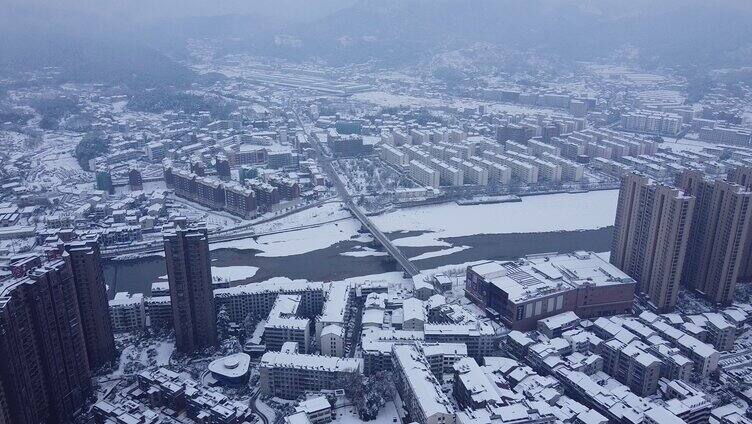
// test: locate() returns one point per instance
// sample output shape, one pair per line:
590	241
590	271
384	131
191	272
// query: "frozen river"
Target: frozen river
431	236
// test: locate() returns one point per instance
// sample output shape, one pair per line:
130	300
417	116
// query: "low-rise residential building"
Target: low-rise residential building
721	333
632	365
472	389
317	410
442	356
288	375
159	312
377	343
479	337
331	324
414	314
418	388
257	299
283	324
127	312
555	325
178	393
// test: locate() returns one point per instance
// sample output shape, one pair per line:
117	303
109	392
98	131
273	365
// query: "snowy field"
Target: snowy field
747	116
395	279
546	213
53	164
12	138
348	415
685	144
384	99
154	353
299	241
318	215
234	273
333	224
521	109
363	251
438	253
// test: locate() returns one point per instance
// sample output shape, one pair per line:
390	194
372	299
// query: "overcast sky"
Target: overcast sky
149	10
140	11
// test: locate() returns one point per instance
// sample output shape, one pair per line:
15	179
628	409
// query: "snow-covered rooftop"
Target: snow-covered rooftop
232	366
336	303
550	273
427	390
310	362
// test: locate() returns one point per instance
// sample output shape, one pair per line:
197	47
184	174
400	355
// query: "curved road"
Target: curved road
255	410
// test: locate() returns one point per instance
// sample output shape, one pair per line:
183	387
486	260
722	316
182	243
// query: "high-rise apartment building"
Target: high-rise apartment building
742	175
91	291
651	232
191	295
44	370
719	229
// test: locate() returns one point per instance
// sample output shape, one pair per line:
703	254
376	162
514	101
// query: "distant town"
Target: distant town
287	243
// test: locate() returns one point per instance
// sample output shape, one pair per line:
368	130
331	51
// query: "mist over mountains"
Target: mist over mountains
113	41
662	32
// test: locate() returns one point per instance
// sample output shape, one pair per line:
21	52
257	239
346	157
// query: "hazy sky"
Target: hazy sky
661	31
140	11
149	10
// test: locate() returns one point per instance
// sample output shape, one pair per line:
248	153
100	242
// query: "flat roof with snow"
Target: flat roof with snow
310	362
529	277
426	389
232	366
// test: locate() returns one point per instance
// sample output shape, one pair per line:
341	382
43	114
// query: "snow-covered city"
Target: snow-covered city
345	211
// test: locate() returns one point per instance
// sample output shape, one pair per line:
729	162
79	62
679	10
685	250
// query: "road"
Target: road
254	398
235	233
325	162
403	260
